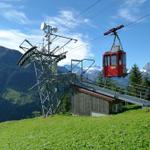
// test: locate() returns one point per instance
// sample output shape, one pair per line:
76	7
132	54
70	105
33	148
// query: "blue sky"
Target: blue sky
21	19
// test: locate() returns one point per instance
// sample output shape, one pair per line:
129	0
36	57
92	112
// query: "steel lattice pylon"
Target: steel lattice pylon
51	84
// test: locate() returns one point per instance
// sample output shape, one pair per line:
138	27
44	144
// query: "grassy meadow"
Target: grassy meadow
127	131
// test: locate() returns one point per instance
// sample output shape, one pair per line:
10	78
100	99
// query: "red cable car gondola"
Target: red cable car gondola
114	61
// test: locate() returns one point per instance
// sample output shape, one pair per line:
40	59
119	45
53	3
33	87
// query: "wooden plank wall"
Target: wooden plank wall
83	104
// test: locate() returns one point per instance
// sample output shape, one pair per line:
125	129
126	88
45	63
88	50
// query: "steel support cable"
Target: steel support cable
137	20
82	45
88	8
101	13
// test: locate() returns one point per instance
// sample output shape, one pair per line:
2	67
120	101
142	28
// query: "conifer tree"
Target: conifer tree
146	84
135	79
146	81
135	76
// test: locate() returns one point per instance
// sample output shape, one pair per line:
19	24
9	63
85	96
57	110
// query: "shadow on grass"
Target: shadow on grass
128	107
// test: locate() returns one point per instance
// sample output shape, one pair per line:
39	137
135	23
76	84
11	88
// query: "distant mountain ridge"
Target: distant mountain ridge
16	101
11	76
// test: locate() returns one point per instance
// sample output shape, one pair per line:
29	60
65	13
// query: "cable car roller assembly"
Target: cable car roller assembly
113	31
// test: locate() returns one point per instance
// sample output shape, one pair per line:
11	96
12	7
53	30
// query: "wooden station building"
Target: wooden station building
88	102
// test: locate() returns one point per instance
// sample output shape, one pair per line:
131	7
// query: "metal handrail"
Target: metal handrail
119	89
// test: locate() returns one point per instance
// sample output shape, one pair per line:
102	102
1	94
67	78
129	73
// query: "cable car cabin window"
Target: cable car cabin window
113	60
120	59
107	61
124	59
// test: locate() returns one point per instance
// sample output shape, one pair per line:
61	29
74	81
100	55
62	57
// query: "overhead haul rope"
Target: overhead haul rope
138	20
89	7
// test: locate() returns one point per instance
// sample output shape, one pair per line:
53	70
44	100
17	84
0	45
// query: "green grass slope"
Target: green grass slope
126	131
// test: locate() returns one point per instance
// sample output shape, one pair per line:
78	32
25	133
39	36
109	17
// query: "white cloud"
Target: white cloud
126	14
78	50
13	38
9	12
17	16
66	20
130	9
134	2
